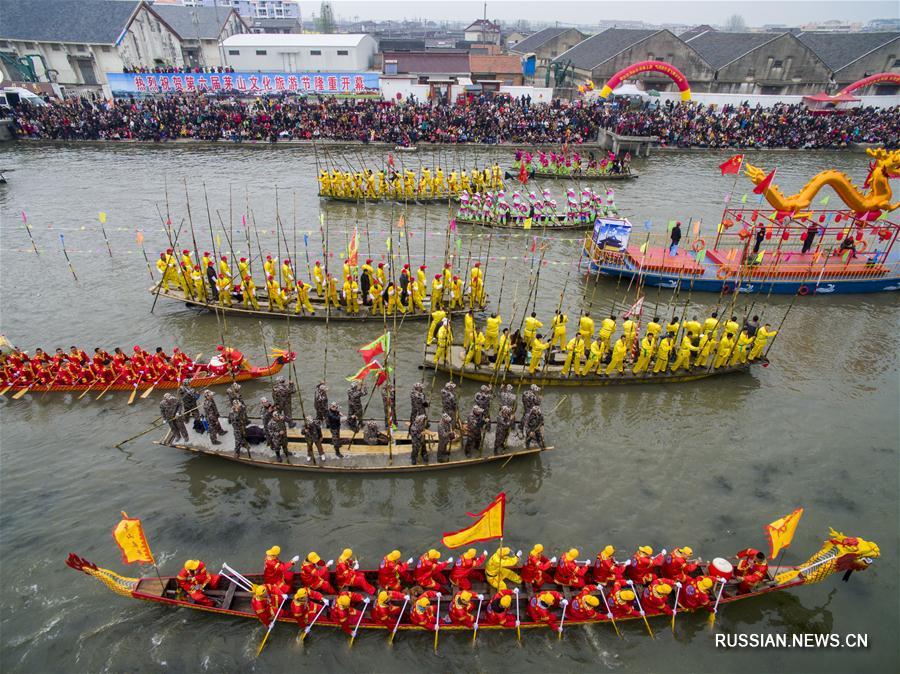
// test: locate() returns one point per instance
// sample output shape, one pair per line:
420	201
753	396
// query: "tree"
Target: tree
735	24
325	22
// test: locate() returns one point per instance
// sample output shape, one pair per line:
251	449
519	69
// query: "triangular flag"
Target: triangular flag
488	526
644	246
744	199
781	532
376	348
824	200
763	186
102	217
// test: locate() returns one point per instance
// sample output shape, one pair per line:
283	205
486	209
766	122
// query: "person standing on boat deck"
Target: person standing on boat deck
445	438
675	238
189	401
389	403
237	419
417	438
170	408
281	394
333	419
312	432
320	401
508	397
266	409
811	232
278	435
534	427
211	412
417	402
475	426
234	393
483	397
760	237
449	403
373	436
530	397
355	394
751	325
501	432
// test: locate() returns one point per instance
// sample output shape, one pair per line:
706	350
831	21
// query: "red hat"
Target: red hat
456	278
209	263
185	251
422	267
287	261
270	277
220	348
243	259
368	260
225	258
317	262
447	264
197	267
380	265
237	286
162	256
477	264
206	252
176	350
347	261
406	266
437	276
137	349
268	257
168	250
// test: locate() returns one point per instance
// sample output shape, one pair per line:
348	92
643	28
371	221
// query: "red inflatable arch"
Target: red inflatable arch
893	78
666	69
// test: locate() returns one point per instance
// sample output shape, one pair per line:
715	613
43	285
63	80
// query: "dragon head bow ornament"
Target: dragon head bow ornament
838	553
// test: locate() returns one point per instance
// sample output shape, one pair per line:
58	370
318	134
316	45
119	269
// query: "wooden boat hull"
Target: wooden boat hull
551	375
320	315
396	200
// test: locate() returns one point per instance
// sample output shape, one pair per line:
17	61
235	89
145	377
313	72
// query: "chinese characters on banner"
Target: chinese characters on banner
126	84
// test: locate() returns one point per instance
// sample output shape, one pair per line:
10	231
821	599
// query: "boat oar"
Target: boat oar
23	391
609	613
150	390
564	603
358	622
477	616
89	387
271	625
133	393
3	392
518	622
399	618
437	621
675	610
103	392
712	616
237	579
641	608
302	637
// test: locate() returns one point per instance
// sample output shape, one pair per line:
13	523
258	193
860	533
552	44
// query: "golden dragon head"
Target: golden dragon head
852	545
887	160
838	553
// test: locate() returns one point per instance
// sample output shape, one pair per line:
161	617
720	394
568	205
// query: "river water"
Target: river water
704	464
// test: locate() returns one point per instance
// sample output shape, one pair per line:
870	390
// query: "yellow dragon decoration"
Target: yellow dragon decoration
838	553
878	198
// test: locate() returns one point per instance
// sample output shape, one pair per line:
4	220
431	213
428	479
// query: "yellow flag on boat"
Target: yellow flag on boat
129	536
489	525
644	246
781	531
527	223
102	217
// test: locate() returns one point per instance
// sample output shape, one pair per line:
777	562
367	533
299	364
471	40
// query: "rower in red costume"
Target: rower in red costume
346	574
306	605
461	574
423	612
640	570
567	570
462	609
385	612
265	604
541	606
677	565
233	357
79	356
535	569
68	374
100	356
39	355
314	574
584	605
140	356
655	598
392	571
119	357
497	611
606	569
429	571
194	579
277	575
620	600
344	613
752	569
695	594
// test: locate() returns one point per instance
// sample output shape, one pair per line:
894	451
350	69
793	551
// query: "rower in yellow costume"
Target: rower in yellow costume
558	329
437	292
760	341
503	351
444	341
586	327
319	279
662	355
223	283
742	349
473	354
497	570
437	317
530	329
274	294
574	354
331	292
683	358
619	351
537	352
492	331
645	354
594	361
250	293
607	328
469	329
303	298
723	351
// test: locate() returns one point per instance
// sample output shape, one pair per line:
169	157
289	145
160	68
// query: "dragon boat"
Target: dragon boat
787	248
548	223
838	554
238	308
387	198
390	455
540	173
536	211
552	373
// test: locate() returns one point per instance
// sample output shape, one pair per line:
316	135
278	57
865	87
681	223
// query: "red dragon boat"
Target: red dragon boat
839	553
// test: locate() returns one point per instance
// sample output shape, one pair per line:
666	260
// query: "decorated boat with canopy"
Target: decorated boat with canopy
566	165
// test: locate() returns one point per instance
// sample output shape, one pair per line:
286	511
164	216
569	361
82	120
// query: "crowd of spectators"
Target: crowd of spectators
499	120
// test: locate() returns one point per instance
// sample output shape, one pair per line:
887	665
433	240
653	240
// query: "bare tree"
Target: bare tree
735	23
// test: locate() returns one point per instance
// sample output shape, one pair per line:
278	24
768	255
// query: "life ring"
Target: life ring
862	246
698	245
803	290
724	273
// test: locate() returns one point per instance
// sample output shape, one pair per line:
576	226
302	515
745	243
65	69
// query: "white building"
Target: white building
483	31
347	53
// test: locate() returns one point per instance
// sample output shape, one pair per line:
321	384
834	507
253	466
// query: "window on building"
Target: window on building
896	63
777	64
104	47
260	52
234	52
343	52
55	47
315	52
86	68
80	47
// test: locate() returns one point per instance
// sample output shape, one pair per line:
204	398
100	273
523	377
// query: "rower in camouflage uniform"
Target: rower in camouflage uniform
266	409
234	393
372	435
189	401
312	431
534	427
320	401
508	398
278	435
417	401
504	425
170	408
281	394
483	397
449	404
355	395
530	397
211	412
445	438
417	438
389	402
238	420
474	430
333	419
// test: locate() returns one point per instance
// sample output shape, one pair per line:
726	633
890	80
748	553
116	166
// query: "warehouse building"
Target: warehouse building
308	52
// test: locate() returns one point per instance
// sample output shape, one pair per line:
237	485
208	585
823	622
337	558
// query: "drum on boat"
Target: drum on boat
721	568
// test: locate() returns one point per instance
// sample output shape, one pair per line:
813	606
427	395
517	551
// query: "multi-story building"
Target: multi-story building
254	9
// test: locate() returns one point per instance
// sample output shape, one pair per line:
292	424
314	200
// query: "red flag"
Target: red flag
523	173
732	165
764	185
379	347
353	250
636	309
390	159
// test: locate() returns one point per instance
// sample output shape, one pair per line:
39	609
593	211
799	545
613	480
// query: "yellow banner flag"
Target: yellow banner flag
129	536
489	525
102	217
527	223
781	532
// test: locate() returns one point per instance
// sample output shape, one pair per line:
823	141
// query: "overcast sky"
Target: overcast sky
755	12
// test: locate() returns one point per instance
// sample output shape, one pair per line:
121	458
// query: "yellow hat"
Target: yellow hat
546	598
662	588
626	595
382	598
274	550
434	554
592	601
192	564
685	551
259	590
505	601
537	549
705	583
343	601
394	555
422	601
608	551
572	554
470	553
313	557
345	555
646	550
465	595
301	594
